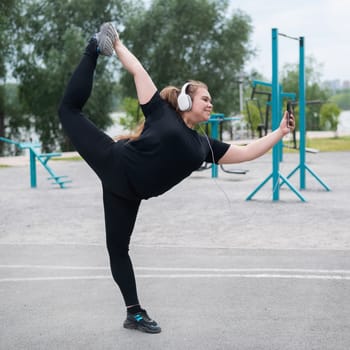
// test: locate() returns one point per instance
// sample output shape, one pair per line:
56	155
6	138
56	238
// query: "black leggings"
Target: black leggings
103	156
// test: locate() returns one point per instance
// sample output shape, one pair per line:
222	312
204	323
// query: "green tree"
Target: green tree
342	99
178	40
16	122
258	102
316	95
9	106
330	117
252	115
50	38
133	115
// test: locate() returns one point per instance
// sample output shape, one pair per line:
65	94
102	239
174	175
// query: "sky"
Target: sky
324	24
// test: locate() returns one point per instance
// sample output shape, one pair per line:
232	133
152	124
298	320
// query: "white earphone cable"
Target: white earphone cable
213	160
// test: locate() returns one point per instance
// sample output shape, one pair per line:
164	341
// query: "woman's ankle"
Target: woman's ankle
134	309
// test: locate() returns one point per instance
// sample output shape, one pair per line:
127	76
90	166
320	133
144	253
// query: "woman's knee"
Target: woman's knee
118	250
63	110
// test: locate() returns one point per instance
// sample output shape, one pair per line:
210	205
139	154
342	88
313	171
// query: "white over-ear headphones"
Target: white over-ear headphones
184	100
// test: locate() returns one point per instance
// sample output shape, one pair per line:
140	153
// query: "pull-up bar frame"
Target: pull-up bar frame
276	176
303	167
276	110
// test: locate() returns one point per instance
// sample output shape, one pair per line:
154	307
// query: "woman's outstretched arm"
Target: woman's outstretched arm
145	87
238	154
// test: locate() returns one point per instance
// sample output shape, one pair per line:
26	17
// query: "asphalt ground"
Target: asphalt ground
216	271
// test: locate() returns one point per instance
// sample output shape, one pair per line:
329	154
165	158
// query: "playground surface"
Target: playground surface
216	271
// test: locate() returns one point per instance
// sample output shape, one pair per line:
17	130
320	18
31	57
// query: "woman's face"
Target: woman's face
201	106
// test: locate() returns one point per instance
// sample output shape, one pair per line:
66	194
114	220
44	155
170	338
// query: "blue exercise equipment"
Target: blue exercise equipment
277	95
214	121
43	158
303	167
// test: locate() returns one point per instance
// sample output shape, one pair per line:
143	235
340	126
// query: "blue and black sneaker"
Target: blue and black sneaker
142	322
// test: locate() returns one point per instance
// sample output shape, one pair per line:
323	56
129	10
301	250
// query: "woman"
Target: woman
167	151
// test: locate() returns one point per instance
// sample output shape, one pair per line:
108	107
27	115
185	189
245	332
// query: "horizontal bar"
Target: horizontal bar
259	82
289	95
288	36
262	93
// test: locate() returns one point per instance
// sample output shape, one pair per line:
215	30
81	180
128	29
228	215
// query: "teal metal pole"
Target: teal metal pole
280	143
214	121
303	167
215	135
32	164
275	114
302	120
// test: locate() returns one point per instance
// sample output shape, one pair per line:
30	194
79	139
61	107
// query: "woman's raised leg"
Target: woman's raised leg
91	143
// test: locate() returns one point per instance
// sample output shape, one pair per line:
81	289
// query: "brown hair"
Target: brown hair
169	94
134	135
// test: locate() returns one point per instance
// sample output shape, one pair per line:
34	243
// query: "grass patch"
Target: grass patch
4	166
327	144
332	144
75	158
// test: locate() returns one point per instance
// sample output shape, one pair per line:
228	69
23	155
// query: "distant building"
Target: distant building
336	84
346	84
333	85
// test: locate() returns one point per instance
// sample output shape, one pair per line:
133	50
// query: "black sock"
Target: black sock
134	309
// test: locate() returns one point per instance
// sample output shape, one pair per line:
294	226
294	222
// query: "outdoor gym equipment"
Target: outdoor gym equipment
303	167
289	95
215	121
264	122
276	176
43	158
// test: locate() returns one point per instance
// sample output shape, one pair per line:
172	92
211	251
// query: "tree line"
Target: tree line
176	40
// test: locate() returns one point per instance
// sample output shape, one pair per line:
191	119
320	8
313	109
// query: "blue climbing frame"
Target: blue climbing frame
43	158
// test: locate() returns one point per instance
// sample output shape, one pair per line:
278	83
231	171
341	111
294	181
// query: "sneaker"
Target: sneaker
142	322
105	39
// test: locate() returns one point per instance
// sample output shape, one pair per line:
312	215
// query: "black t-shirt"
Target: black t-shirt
166	152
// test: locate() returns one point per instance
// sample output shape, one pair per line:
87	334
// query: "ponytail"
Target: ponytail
170	94
134	135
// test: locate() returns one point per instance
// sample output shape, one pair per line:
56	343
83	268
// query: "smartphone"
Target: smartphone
290	111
